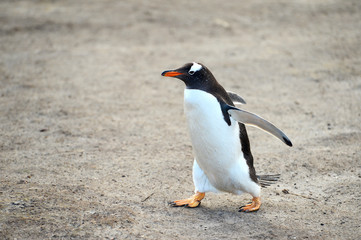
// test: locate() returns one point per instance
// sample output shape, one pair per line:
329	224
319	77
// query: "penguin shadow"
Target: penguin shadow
225	219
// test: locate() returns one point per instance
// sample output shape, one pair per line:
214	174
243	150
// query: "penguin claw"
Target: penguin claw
249	203
252	207
247	211
173	204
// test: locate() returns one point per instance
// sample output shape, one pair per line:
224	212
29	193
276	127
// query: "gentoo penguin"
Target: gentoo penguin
223	159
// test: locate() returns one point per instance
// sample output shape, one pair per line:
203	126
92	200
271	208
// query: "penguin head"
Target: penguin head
194	75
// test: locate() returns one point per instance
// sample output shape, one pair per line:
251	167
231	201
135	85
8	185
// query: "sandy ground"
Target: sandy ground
94	141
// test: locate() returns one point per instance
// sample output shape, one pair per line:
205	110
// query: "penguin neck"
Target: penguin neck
215	89
198	84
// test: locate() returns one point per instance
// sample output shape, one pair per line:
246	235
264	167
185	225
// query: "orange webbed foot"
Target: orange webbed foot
253	206
191	202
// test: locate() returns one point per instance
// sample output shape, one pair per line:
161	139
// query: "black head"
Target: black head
194	75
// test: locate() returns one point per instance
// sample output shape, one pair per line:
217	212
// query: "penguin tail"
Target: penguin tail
267	180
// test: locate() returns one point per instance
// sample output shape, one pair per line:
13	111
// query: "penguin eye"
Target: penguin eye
191	72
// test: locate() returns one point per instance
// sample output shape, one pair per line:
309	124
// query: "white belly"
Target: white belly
216	145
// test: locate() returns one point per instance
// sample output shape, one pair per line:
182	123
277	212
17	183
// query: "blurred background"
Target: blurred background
93	141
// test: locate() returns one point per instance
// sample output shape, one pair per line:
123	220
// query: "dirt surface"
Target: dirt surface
94	141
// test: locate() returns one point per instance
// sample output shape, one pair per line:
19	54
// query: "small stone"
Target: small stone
285	191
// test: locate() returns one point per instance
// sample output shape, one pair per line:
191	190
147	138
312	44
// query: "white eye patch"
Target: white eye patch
195	67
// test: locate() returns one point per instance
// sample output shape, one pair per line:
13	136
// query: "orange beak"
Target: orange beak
171	73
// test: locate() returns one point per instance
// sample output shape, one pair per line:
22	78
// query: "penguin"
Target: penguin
223	161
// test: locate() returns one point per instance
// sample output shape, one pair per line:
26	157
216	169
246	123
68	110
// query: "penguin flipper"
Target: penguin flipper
256	121
236	98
